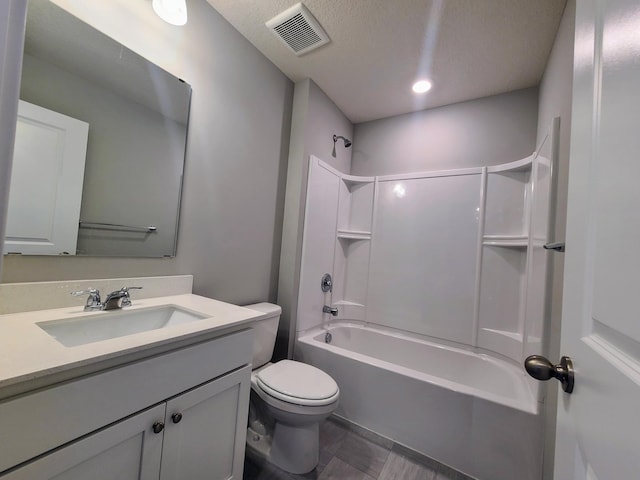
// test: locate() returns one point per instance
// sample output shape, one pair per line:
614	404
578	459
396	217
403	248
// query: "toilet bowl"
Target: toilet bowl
288	401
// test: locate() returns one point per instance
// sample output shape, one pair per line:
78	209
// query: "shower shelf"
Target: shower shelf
521	165
354	234
512	241
351	180
505	342
511	335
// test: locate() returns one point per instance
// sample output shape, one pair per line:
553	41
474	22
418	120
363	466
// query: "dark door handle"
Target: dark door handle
542	369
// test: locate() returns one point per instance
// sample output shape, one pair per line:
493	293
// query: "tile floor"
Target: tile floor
346	454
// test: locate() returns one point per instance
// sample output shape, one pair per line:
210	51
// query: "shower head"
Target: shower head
347	143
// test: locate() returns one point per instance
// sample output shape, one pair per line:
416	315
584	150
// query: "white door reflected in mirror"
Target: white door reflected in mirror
46	182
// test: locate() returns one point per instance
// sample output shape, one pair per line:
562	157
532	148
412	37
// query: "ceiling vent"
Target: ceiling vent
298	29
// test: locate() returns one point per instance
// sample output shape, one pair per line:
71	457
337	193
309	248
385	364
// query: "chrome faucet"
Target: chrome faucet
332	310
117	299
93	301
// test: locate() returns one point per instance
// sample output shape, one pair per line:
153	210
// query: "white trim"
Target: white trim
13	15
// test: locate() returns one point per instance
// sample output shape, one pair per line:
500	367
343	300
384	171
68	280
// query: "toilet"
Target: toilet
288	401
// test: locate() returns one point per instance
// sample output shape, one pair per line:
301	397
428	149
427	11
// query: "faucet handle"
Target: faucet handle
93	301
126	289
126	299
88	291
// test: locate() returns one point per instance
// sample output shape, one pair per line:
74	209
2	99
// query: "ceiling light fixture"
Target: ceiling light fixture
171	11
422	86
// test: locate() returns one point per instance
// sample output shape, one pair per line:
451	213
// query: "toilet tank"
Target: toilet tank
265	332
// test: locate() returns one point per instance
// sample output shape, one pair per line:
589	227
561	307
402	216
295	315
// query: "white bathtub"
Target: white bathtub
473	412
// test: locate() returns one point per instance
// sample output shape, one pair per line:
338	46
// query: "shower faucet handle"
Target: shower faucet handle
326	284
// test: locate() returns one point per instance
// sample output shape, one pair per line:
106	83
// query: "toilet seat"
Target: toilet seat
297	383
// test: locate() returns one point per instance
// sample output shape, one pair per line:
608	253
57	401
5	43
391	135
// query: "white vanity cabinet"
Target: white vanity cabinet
205	430
127	450
179	415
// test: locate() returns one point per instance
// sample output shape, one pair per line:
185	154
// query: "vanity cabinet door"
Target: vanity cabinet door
206	430
128	450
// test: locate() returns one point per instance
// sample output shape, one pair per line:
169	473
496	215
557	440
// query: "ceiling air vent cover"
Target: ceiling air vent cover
297	28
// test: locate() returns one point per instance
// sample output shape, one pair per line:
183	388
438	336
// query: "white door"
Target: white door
598	434
46	182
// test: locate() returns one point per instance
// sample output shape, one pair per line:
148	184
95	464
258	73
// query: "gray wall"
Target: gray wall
486	131
236	155
555	100
323	121
315	120
12	20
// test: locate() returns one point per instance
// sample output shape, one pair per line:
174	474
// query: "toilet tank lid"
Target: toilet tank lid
265	307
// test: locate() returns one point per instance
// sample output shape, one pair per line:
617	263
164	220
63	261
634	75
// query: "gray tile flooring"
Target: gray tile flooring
347	454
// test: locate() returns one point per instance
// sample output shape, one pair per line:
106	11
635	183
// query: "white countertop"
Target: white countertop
29	354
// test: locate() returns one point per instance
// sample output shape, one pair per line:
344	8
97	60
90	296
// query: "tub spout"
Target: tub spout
332	310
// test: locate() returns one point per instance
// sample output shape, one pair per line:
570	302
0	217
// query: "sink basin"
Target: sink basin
104	325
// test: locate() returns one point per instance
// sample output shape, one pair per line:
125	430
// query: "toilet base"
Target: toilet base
294	449
258	445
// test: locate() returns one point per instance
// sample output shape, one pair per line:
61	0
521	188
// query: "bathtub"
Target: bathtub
471	411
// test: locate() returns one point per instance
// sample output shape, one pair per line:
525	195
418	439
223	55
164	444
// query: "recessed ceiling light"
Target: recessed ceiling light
171	11
422	86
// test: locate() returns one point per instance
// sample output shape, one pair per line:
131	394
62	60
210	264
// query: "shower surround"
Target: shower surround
423	264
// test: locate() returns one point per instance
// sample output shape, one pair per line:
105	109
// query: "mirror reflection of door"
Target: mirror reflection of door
46	182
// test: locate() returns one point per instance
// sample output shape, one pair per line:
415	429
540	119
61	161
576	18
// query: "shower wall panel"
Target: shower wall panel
538	293
423	260
318	246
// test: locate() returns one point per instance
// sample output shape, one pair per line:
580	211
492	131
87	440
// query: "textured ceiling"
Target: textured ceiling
468	48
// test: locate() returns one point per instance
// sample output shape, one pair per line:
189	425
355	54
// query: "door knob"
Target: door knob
176	417
542	369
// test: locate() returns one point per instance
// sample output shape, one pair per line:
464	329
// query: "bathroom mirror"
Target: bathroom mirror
137	117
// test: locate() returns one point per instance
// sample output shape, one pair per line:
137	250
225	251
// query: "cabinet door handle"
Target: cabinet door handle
158	427
176	417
